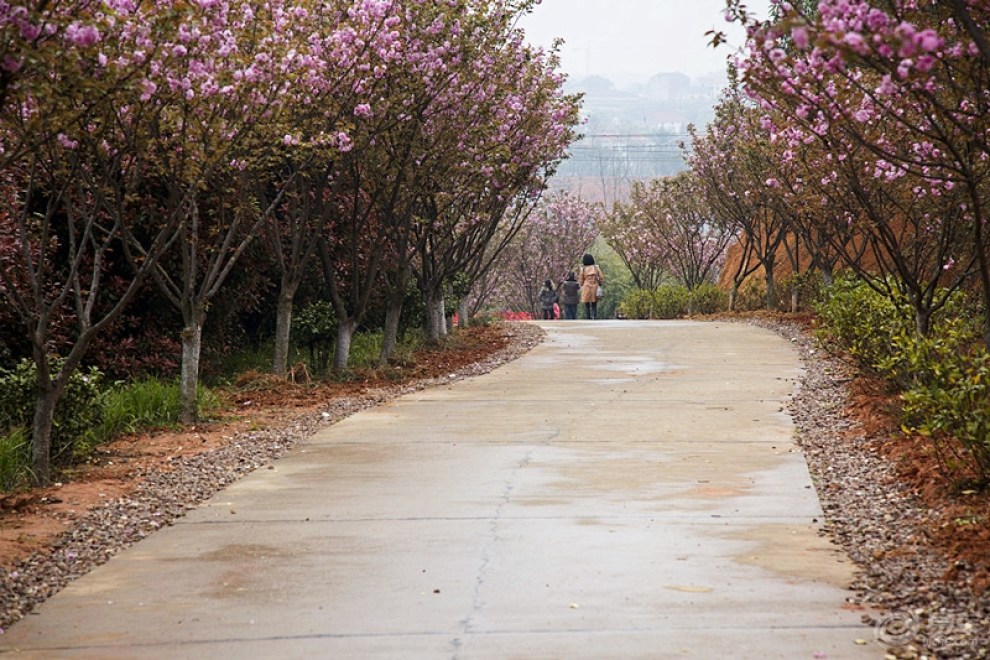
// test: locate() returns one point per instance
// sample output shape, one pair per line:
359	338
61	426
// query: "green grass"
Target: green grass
123	410
15	460
145	404
365	353
366	349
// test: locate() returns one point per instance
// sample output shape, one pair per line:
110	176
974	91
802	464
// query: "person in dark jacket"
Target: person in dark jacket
547	299
570	295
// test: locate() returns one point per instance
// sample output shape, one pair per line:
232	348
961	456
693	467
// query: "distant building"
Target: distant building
667	87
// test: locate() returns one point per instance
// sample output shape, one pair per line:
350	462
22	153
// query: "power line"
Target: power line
639	148
634	135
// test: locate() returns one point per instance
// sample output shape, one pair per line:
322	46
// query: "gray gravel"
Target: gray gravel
914	610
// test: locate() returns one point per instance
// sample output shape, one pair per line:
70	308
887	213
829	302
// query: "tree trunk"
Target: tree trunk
733	292
390	334
283	328
342	351
771	293
192	342
436	321
795	299
463	314
922	321
41	434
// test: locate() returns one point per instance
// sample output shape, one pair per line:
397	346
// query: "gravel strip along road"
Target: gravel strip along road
869	515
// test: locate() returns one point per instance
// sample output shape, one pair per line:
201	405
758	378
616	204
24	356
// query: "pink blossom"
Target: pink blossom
148	88
928	40
82	35
925	63
66	142
29	31
886	87
855	41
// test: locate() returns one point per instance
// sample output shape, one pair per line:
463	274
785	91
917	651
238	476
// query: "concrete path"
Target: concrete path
625	490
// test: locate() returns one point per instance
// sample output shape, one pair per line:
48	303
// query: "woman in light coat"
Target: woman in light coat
590	278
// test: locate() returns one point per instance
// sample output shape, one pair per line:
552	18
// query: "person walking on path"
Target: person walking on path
548	297
570	295
591	279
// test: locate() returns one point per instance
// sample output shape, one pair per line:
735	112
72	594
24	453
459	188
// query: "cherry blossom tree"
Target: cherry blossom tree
336	100
904	83
625	228
670	215
217	78
237	76
167	135
549	244
425	149
75	146
732	163
505	126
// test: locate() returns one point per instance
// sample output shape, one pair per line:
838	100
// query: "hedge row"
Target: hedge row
671	301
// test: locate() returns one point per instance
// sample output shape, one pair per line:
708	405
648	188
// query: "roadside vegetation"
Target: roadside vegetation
183	182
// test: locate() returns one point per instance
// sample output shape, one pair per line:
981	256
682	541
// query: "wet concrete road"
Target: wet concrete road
625	490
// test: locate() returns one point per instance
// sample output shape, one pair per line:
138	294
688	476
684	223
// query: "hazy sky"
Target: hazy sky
630	40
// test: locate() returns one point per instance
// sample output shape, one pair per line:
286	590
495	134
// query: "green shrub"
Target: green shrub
944	377
859	321
751	296
78	411
486	317
86	416
708	298
316	328
637	304
950	396
672	301
15	460
130	408
145	404
810	287
366	349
